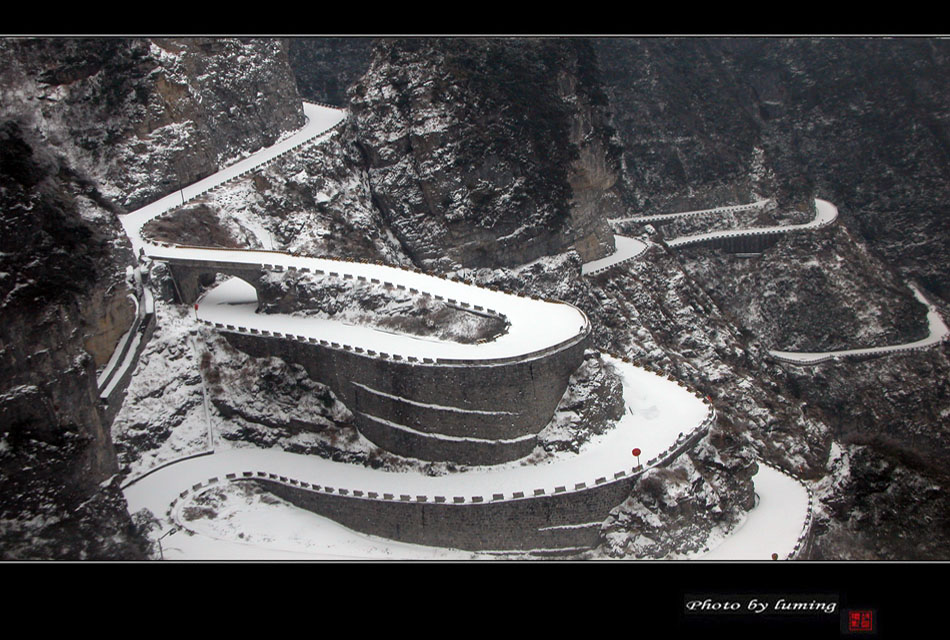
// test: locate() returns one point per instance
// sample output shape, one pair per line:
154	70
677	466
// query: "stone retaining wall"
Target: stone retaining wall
530	523
619	262
471	412
534	520
739	243
246	172
871	353
461	410
110	404
747	240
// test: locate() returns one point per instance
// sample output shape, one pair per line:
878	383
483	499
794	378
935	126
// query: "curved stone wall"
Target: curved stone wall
565	520
745	242
561	522
114	379
938	332
471	412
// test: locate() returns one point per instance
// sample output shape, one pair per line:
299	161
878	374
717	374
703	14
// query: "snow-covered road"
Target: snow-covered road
320	120
773	526
627	249
535	324
660	413
825	214
937	333
283	532
665	217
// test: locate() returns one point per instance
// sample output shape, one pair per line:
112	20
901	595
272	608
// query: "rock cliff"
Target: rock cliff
486	152
325	67
863	123
62	297
144	116
89	128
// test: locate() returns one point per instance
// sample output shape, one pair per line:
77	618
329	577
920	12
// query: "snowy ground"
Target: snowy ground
938	332
250	526
164	416
319	120
658	412
231	303
235	302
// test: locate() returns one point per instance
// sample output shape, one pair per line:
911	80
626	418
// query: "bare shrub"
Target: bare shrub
653	486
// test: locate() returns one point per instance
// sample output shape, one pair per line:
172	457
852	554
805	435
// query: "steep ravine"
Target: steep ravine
143	116
862	123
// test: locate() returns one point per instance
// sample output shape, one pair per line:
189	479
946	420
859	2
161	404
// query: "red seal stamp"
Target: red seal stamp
860	620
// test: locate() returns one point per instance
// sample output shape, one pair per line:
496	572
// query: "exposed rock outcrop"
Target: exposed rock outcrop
861	121
677	510
145	116
89	127
59	283
812	291
487	152
325	67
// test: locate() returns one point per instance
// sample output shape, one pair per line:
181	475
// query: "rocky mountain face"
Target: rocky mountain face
89	128
862	122
327	200
707	122
774	296
325	67
144	116
485	152
62	297
374	305
496	160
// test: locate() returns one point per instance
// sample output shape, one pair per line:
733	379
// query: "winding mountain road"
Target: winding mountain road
661	417
937	333
666	217
825	214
